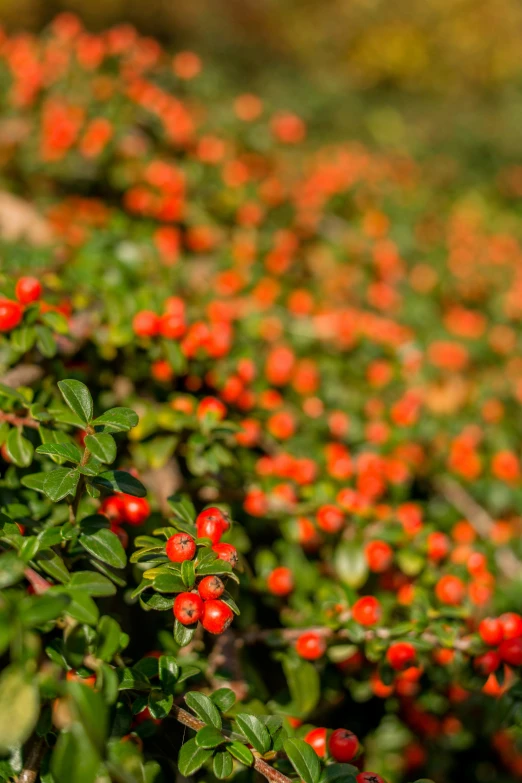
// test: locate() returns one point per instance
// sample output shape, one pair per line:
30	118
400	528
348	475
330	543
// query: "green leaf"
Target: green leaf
78	398
34	481
241	753
183	634
255	732
75	759
19	707
204	708
339	773
159	603
23	339
120	481
223	698
61	482
188	573
222	765
41	609
92	583
187	672
160	703
53	565
82	608
91	711
102	446
132	679
19	449
45	341
68	451
191	758
303	683
209	737
117	420
168	583
182	507
56	321
106	546
108	643
351	564
11	569
168	671
304	760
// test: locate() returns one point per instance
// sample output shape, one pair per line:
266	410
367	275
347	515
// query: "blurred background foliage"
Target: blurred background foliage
421	75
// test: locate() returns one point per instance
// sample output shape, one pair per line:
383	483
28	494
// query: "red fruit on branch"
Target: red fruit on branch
510	651
135	510
369	777
367	610
310	646
211	587
113	508
487	663
10	314
180	547
211	523
146	323
491	631
317	739
511	623
226	552
216	617
400	655
211	407
280	581
343	745
28	289
188	608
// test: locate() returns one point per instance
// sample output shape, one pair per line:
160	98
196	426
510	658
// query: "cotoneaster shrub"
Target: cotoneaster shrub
259	423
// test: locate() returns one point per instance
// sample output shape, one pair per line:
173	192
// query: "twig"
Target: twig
33	760
184	717
480	520
18	421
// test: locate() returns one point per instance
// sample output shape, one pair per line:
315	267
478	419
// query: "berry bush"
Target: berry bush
259	426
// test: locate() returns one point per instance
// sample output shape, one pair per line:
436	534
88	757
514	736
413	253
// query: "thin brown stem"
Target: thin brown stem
184	717
35	754
18	421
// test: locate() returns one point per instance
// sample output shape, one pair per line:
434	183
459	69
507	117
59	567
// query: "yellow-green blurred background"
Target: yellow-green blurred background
429	72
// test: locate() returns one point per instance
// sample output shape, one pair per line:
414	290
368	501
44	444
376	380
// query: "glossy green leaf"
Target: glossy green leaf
108	642
241	753
93	583
68	451
183	634
78	398
116	420
223	698
222	765
209	737
204	708
121	481
255	732
102	446
191	758
19	707
40	609
61	482
304	760
105	545
160	703
19	449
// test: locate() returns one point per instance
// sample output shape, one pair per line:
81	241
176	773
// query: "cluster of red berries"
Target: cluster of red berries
505	634
343	746
204	604
124	509
27	290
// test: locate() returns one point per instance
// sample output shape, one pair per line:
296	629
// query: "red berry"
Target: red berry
511	651
188	608
211	523
438	546
450	590
143	716
28	289
135	510
511	625
487	663
369	777
379	556
217	616
400	655
330	518
343	745
491	631
10	314
146	323
280	581
180	547
226	552
212	407
367	610
317	739
211	587
113	508
310	646
172	326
